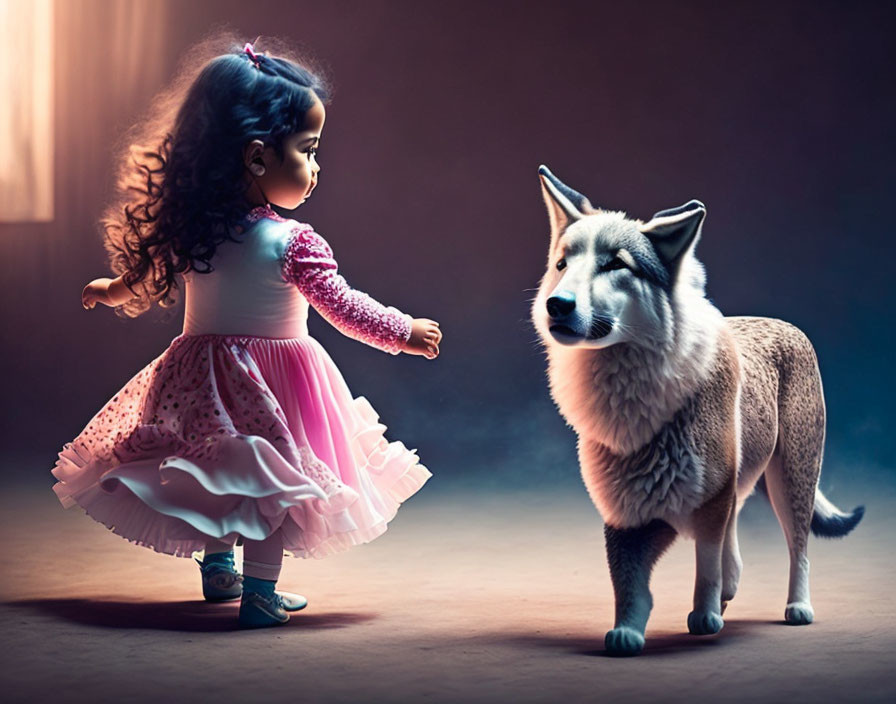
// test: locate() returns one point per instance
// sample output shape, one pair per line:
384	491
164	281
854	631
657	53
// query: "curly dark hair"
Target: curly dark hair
182	196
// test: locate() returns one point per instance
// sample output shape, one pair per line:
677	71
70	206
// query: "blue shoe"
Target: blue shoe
261	606
259	610
220	579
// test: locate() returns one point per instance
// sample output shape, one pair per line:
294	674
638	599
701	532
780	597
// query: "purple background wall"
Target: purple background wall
778	115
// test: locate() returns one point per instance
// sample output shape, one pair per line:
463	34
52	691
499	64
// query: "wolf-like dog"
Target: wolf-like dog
680	412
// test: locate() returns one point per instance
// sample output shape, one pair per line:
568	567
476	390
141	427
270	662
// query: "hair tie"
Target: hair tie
250	50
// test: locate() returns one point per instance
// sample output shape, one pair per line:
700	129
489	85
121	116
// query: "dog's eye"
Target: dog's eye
561	265
613	264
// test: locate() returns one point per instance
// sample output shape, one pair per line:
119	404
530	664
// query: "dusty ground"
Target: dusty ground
472	596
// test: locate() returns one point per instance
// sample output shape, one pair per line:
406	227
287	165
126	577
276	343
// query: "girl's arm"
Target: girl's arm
309	264
109	292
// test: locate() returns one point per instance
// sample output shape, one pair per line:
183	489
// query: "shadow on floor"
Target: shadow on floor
660	644
190	616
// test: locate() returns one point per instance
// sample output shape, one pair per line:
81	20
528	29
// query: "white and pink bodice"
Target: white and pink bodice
262	285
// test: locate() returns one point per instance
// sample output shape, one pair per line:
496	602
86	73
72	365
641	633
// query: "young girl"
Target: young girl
243	430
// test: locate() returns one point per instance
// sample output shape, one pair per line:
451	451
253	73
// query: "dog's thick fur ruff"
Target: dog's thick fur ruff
679	411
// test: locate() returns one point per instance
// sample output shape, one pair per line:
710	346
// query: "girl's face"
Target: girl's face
287	183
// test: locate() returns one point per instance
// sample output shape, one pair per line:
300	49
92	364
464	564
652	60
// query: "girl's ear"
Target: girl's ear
252	157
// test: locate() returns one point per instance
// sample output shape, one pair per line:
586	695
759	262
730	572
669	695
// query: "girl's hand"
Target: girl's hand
109	292
95	292
425	338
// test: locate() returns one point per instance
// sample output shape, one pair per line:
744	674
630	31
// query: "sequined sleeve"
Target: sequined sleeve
308	263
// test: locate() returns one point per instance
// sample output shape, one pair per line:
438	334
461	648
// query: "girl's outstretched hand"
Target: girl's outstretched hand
109	292
425	338
95	292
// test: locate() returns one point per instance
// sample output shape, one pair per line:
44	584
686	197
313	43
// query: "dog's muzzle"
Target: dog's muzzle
560	306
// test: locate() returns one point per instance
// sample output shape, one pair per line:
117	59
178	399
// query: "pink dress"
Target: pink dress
244	424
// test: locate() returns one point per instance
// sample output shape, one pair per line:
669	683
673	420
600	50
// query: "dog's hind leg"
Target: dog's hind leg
792	474
632	553
794	512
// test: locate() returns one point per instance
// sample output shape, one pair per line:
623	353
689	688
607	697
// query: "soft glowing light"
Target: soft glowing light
26	111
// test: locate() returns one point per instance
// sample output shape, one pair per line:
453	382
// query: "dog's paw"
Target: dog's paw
623	641
799	613
704	623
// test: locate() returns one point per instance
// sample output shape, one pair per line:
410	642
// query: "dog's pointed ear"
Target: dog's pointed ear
674	232
564	205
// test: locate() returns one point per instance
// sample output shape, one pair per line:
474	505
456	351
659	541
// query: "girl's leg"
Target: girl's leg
262	559
215	546
261	604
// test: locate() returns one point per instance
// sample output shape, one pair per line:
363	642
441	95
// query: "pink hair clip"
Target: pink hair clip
250	50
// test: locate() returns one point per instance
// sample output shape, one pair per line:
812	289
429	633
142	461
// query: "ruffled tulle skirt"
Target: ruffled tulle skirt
224	436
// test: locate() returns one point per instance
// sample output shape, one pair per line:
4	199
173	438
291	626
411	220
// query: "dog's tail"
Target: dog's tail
828	521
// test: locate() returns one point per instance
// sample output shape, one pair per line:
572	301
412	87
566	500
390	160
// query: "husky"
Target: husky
680	412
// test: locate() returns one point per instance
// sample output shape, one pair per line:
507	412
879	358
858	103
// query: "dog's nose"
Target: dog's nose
561	304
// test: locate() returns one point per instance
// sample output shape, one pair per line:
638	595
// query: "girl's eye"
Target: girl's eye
561	265
312	152
613	264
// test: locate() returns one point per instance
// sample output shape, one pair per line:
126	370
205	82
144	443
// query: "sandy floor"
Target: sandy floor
470	597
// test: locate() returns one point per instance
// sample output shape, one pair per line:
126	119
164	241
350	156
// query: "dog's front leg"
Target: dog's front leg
632	553
710	523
